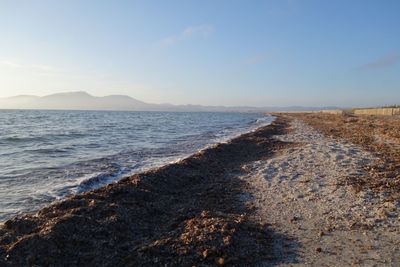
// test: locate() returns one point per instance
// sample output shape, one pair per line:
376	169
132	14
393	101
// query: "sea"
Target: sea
46	155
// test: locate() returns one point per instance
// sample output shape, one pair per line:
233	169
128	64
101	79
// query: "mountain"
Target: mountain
83	101
17	100
73	100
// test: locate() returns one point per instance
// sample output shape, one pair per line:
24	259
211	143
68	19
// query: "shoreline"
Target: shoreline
151	212
80	160
300	191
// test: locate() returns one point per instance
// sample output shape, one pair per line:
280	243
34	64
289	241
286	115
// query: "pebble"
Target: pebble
221	261
294	219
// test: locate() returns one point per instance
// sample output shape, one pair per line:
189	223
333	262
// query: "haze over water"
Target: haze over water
46	155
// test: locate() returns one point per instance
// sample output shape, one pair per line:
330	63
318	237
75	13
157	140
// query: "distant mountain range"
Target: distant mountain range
84	101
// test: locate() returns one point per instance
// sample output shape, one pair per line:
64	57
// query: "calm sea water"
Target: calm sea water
47	155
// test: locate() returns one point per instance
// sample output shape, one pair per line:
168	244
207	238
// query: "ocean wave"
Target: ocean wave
263	120
48	151
20	139
100	180
82	155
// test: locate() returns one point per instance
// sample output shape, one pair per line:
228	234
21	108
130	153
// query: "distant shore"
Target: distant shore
307	189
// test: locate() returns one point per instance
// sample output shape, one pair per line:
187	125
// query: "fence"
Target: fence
378	111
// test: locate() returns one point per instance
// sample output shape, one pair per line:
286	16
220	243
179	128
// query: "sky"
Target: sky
247	53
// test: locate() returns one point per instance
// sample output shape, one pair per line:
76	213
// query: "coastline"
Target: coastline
308	189
49	163
185	212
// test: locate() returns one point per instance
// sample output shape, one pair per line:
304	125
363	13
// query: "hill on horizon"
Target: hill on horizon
80	100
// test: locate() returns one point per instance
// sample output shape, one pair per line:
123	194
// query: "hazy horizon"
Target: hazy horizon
108	95
81	100
225	53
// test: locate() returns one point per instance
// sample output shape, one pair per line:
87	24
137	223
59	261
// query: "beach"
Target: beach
323	196
308	189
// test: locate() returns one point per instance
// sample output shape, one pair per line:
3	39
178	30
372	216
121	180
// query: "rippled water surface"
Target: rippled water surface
46	155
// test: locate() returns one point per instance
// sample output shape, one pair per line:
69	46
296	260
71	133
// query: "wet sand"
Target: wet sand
287	194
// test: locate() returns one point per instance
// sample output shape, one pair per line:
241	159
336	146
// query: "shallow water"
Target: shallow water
46	155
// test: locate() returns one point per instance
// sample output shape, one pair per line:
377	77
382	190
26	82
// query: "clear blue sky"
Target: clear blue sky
260	53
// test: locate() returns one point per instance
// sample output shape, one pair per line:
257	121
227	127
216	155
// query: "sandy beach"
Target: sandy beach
313	195
309	189
199	133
